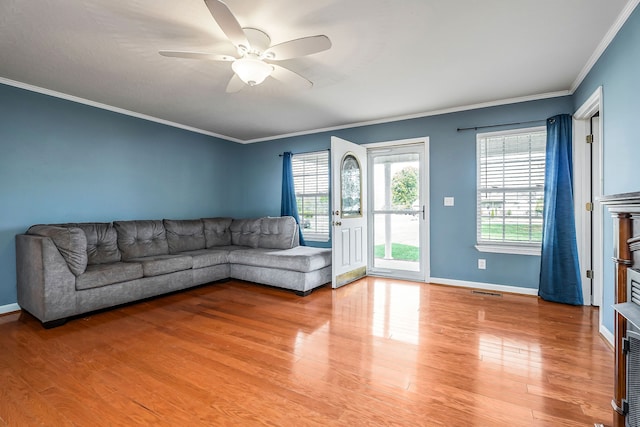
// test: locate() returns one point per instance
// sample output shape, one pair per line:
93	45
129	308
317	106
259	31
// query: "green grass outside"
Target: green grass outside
513	232
399	251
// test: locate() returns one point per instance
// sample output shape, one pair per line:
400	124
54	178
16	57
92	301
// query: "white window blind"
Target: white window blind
311	181
511	187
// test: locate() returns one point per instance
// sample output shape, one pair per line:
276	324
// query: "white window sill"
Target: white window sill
509	249
315	239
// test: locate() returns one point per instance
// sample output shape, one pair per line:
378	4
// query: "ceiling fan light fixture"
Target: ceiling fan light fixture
255	52
251	71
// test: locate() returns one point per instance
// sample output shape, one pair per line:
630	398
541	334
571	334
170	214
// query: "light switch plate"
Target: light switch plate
448	201
482	264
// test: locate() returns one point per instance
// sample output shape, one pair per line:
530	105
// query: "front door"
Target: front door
397	211
348	212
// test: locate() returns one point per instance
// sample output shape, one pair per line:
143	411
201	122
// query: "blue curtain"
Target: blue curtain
559	269
289	205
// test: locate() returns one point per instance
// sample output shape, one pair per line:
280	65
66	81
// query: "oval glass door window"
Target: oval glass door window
351	187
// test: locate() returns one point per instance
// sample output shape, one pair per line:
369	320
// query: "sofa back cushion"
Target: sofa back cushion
70	241
141	238
184	235
217	231
102	242
245	232
277	232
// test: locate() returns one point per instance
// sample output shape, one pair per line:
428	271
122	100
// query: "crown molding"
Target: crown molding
418	115
604	43
107	107
102	106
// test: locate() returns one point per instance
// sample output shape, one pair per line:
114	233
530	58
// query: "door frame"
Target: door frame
425	237
589	253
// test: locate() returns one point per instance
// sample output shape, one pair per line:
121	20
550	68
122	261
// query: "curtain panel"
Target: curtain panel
289	205
560	279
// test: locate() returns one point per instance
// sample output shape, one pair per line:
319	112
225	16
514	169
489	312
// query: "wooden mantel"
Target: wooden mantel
625	209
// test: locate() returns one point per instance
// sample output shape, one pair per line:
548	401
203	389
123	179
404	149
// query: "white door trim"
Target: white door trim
582	180
425	238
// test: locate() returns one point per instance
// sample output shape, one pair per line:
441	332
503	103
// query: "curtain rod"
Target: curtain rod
307	152
502	124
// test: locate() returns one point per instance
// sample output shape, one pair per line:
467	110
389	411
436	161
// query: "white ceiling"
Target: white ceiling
389	59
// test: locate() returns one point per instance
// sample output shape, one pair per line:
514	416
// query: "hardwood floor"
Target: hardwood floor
376	352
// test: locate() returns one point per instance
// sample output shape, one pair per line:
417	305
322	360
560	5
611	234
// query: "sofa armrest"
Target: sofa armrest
46	286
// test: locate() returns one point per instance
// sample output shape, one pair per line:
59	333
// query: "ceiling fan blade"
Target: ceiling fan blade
290	78
235	84
228	23
196	55
298	47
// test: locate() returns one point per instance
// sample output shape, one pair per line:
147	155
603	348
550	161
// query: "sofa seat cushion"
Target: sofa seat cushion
164	264
208	257
98	275
300	258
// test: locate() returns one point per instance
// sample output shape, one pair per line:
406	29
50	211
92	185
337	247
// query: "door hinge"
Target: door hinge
589	139
588	206
626	345
589	274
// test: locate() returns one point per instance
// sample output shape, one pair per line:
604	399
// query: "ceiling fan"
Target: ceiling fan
256	55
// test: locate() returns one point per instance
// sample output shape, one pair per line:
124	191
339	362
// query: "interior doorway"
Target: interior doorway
398	211
588	188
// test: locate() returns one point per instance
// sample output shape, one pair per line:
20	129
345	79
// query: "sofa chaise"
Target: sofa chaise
65	270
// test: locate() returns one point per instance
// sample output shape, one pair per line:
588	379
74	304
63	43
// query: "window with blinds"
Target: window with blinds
311	181
511	187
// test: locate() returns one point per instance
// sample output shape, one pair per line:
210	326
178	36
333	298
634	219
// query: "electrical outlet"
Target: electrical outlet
482	264
449	201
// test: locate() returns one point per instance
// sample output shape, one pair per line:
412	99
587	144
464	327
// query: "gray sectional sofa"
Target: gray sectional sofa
64	270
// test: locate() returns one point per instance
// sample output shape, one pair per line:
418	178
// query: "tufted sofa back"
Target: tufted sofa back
184	235
90	243
102	241
278	232
141	238
217	231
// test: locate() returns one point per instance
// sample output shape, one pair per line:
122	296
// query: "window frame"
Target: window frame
313	236
495	246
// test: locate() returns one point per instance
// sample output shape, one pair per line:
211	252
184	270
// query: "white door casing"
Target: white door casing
588	187
349	240
378	267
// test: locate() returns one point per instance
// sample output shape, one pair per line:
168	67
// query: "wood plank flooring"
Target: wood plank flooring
375	352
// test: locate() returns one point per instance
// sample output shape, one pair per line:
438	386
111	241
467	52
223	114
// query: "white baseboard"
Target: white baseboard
9	308
484	286
607	335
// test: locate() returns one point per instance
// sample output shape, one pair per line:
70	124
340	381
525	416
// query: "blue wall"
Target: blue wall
452	173
62	161
617	72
